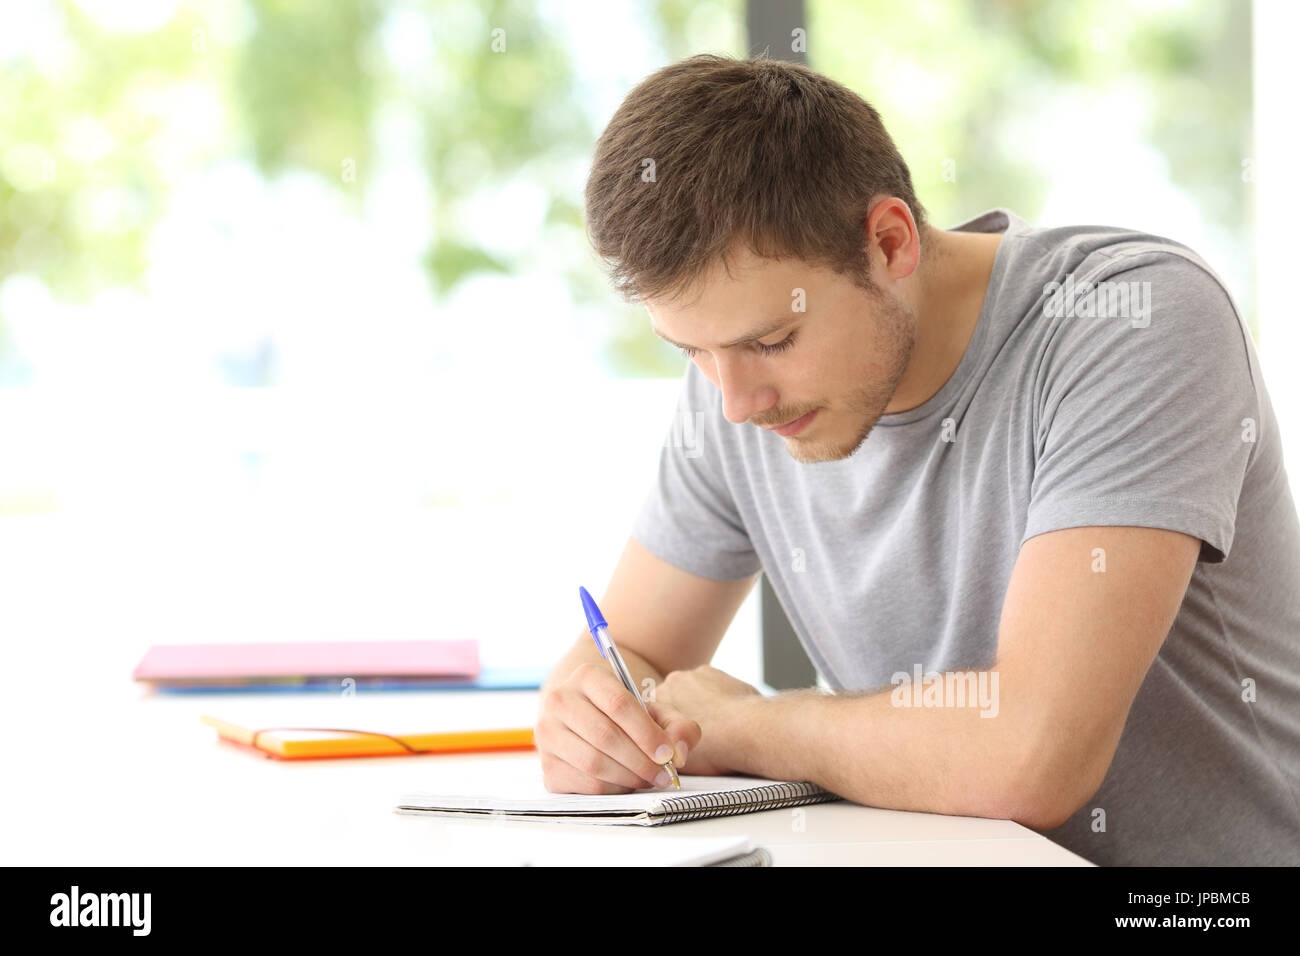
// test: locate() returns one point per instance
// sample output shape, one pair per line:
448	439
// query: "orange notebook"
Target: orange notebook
457	722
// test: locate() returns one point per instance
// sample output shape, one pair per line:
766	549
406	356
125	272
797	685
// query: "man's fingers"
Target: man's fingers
605	732
607	693
561	777
590	761
681	730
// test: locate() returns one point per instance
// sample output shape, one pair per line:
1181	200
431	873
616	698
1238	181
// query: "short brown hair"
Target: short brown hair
759	151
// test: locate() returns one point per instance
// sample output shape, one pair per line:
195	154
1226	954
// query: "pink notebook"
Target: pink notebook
208	662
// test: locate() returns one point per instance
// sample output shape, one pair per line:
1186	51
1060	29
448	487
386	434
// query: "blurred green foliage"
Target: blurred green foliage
982	65
79	184
91	151
301	86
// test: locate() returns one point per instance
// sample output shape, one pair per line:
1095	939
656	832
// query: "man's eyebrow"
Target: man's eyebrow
743	340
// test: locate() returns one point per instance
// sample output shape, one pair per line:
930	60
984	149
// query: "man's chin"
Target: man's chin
811	451
808	452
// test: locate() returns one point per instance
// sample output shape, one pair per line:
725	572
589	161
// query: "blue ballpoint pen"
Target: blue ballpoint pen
605	644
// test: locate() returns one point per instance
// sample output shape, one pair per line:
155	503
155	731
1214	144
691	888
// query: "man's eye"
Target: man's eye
781	346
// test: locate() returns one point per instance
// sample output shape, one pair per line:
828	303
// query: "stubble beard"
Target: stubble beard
867	404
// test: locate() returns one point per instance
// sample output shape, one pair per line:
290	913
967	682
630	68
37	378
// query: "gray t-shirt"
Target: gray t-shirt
1152	412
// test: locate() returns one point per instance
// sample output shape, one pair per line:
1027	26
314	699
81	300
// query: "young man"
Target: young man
1020	491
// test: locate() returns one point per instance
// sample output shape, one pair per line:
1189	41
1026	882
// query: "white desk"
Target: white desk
153	786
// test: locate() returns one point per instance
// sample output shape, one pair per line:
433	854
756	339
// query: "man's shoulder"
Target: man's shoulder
1091	271
1098	251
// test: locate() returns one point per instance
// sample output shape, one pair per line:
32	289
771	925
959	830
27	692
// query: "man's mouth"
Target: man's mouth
794	427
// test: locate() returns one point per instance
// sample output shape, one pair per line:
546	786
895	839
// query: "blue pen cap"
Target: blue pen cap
594	618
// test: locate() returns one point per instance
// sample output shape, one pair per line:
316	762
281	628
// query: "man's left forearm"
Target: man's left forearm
871	750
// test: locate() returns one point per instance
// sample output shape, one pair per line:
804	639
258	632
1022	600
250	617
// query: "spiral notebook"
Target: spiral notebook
699	798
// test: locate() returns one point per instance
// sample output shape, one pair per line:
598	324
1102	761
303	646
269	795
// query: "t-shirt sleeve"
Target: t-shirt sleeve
1149	418
689	518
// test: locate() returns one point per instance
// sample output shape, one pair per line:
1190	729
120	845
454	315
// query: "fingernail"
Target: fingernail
662	779
663	754
681	754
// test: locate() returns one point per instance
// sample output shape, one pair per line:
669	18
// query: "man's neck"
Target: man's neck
950	297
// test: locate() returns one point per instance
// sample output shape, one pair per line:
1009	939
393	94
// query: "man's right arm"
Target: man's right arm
593	737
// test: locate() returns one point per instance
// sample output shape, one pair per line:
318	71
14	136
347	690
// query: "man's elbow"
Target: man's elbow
1050	784
1045	812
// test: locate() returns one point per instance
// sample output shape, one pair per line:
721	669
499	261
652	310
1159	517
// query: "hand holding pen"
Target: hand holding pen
593	738
605	644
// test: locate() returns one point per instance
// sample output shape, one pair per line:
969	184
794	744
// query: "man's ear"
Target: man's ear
893	239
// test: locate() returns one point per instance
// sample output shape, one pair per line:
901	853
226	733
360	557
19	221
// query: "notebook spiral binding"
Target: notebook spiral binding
697	806
758	857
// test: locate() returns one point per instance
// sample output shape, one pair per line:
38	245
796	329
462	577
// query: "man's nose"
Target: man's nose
744	395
